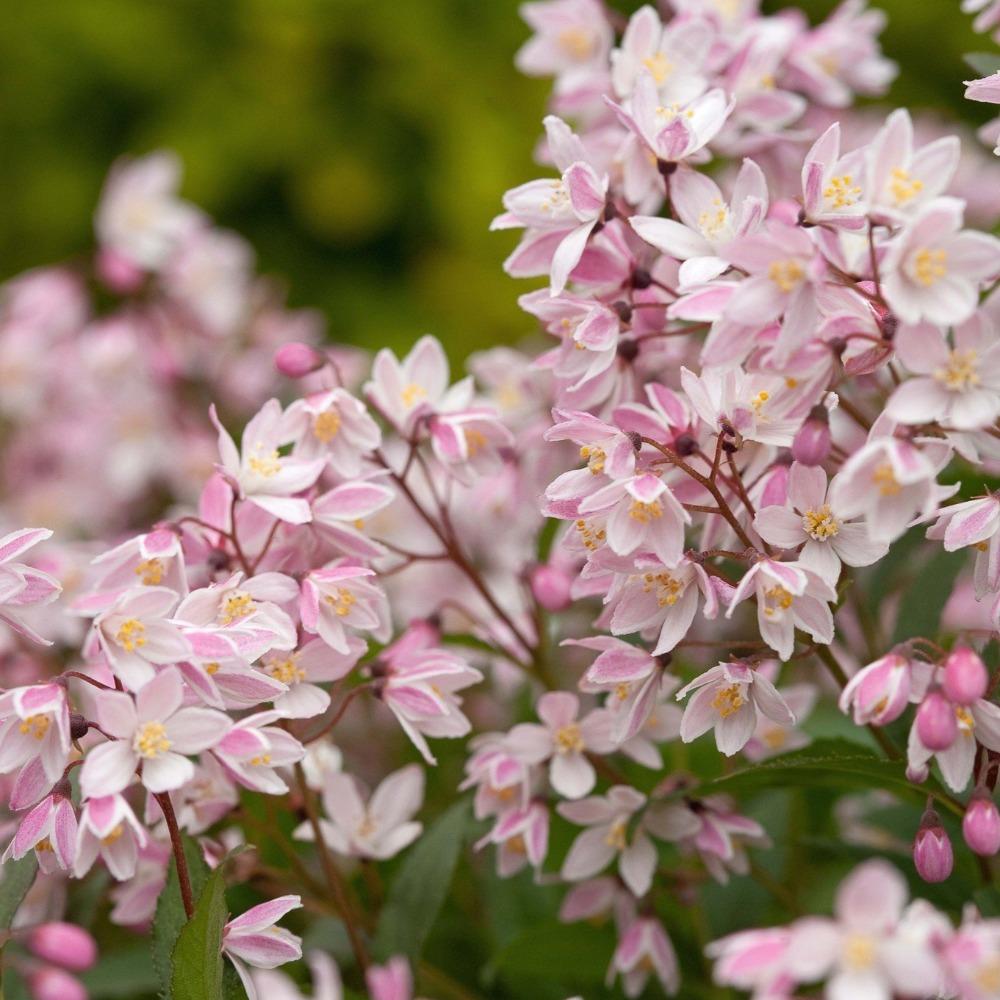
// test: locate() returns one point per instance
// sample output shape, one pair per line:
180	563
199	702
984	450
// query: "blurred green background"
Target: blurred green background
361	145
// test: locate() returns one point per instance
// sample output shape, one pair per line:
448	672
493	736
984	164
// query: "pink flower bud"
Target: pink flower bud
551	587
811	445
932	852
918	774
937	726
64	944
54	984
117	272
981	825
965	676
297	360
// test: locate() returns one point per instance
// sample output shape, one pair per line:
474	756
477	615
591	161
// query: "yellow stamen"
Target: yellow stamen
131	635
842	192
36	726
786	274
150	571
961	371
285	669
902	186
820	524
645	512
341	602
776	599
728	700
885	479
151	740
929	265
235	607
326	426
569	739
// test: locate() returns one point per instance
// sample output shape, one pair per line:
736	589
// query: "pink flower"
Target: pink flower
136	635
35	727
419	689
570	36
833	185
379	828
140	215
50	829
934	270
393	981
607	818
564	741
253	748
339	597
108	828
265	477
728	698
811	521
750	960
152	560
301	669
986	89
522	838
336	426
707	223
153	731
888	482
645	949
789	596
569	207
252	939
720	836
901	181
975	523
879	692
340	515
23	587
958	386
869	951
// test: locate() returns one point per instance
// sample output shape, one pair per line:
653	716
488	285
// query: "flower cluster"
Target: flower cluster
764	416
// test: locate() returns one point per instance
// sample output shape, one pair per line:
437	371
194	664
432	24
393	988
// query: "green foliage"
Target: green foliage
197	956
17	879
419	889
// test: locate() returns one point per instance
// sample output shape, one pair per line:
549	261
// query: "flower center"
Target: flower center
859	952
885	479
150	571
616	834
577	43
342	602
264	463
151	740
820	524
569	739
929	265
961	372
261	760
841	192
987	976
904	187
776	600
367	827
412	394
326	425
728	700
645	512
595	459
36	726
659	66
286	670
715	221
236	606
131	635
668	589
786	274
115	834
965	719
591	536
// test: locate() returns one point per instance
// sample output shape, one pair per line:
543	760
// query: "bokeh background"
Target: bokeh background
361	145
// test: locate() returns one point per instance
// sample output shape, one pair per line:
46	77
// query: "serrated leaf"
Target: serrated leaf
984	63
419	889
826	763
16	878
197	956
170	916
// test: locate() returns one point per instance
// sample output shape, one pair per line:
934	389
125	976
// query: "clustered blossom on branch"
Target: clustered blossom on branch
772	369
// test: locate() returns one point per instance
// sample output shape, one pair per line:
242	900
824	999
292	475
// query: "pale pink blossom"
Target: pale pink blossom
253	749
108	828
50	829
23	587
880	692
644	950
252	939
343	596
35	726
571	36
336	426
973	523
378	828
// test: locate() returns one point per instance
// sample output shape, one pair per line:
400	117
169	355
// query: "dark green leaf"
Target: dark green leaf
984	63
16	878
420	887
197	956
170	916
579	952
925	597
827	763
122	975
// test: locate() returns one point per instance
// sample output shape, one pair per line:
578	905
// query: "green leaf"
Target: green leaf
419	889
170	916
16	878
984	63
197	957
580	952
122	975
828	763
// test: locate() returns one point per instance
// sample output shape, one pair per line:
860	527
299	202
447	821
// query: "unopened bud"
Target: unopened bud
811	445
932	854
965	676
54	984
551	587
63	944
78	726
937	726
297	360
917	774
981	825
